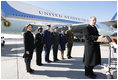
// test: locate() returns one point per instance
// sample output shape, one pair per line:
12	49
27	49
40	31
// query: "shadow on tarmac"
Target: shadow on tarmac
74	63
11	50
69	74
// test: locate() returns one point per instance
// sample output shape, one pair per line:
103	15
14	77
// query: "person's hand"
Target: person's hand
27	52
102	36
44	45
52	45
113	45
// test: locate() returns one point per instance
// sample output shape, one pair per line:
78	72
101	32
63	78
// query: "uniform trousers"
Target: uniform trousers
38	55
69	48
47	52
55	51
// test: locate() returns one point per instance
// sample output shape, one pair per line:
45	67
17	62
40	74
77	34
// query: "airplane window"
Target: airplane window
49	14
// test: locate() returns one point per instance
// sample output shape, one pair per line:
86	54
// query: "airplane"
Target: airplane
15	15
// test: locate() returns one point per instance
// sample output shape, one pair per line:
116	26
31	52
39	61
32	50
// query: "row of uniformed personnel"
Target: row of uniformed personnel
46	40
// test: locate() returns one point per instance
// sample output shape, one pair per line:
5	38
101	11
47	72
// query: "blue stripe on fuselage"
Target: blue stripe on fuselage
9	11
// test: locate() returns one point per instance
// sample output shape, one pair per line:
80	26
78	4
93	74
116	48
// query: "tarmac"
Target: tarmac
13	65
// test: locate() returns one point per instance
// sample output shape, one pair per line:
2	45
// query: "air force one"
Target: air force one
15	15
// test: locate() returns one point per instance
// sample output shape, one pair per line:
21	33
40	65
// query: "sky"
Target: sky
103	10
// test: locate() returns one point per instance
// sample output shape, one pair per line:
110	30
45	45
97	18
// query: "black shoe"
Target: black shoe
94	74
56	60
31	71
48	61
40	64
91	76
69	57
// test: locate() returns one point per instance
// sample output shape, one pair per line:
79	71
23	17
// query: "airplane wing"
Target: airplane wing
112	23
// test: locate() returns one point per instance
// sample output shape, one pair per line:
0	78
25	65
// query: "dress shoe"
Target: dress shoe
48	61
31	71
91	76
69	57
40	64
56	60
94	74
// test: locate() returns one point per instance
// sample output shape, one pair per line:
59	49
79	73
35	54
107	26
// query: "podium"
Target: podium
108	39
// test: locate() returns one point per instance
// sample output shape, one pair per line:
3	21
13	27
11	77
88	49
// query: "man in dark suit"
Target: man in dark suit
39	39
29	47
92	56
47	43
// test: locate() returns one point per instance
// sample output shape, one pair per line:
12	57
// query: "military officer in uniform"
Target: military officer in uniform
39	46
29	47
55	43
47	43
69	39
92	55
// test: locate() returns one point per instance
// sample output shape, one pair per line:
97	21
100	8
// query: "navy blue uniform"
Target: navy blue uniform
48	42
39	47
62	41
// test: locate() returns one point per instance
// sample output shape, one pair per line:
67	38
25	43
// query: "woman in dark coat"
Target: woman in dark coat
62	43
92	56
29	47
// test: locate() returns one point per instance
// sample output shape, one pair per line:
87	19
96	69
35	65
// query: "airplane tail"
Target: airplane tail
114	17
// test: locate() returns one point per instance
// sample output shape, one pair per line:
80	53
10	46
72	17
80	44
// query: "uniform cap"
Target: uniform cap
40	27
49	25
56	28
